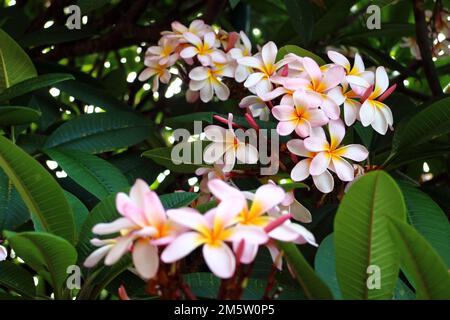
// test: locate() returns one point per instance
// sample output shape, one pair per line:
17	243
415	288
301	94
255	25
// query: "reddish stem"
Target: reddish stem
225	121
251	121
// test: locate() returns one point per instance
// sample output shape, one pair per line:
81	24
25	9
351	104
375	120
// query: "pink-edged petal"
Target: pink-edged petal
351	111
199	73
188	52
317	118
324	182
355	152
284	113
146	74
253	79
319	163
118	250
330	107
275	255
206	93
284	233
337	132
343	169
188	217
332	77
315	144
192	38
251	62
266	197
263	86
251	235
357	81
113	227
205	59
312	68
304	235
269	53
248	252
214	152
145	259
97	255
181	247
221	190
301	170
367	113
218	57
215	133
273	94
220	260
303	128
285	128
297	147
339	59
336	95
381	82
246	153
209	39
153	208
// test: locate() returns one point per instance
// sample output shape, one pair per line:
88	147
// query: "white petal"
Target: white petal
301	170
181	247
220	260
324	182
145	259
96	256
118	250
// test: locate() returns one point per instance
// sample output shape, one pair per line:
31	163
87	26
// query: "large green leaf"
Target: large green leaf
362	239
80	212
38	189
313	287
13	115
94	174
15	65
325	265
300	52
100	132
428	219
33	84
16	278
430	123
47	254
421	264
13	212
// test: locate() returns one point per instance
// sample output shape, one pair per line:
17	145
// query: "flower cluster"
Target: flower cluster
303	97
229	233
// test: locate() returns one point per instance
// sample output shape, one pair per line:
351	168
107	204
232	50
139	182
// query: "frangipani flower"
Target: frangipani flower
165	51
226	143
373	112
205	50
3	253
324	181
322	83
239	51
259	82
351	105
143	227
197	27
298	211
208	81
301	117
331	155
257	107
356	75
158	71
212	230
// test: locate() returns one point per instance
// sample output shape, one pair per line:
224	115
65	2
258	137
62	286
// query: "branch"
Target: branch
425	51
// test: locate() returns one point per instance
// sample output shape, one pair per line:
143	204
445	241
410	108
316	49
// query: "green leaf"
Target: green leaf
293	186
33	84
80	212
430	123
163	156
15	65
12	115
47	254
428	219
16	278
300	52
100	132
94	174
54	35
13	212
38	189
301	17
181	121
325	265
313	287
421	264
362	239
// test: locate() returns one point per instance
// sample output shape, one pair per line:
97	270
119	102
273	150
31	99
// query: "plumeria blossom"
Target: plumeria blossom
226	144
205	50
266	198
239	51
324	182
158	71
259	82
208	80
143	227
3	253
374	112
211	230
257	107
301	117
356	76
290	205
322	82
330	155
165	51
352	105
197	27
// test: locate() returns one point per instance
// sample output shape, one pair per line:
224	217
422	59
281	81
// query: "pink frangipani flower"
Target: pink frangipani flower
205	50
